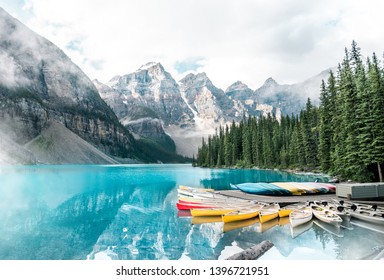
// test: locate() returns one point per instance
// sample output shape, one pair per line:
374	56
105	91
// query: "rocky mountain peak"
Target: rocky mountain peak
196	80
150	66
270	82
237	86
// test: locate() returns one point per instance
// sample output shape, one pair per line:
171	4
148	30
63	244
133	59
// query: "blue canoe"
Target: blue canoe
261	189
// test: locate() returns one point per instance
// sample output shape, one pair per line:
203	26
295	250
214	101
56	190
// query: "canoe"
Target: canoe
260	189
342	211
217	211
192	189
189	206
186	192
269	212
216	199
195	192
267	215
242	214
317	187
369	207
365	212
326	216
300	216
286	210
291	188
367	215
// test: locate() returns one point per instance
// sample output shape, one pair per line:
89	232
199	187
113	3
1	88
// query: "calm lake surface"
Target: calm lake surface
129	212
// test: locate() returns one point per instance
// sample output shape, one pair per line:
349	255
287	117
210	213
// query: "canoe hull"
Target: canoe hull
210	211
266	216
369	216
326	216
300	217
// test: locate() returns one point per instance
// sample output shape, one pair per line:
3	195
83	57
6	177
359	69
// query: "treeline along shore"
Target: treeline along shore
343	136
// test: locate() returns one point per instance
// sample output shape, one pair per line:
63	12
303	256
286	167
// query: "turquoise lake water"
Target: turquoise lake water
129	212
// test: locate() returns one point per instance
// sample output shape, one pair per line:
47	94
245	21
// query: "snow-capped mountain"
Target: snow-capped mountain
151	100
150	87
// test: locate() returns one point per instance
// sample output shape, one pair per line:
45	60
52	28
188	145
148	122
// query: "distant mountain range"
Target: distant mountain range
51	112
151	104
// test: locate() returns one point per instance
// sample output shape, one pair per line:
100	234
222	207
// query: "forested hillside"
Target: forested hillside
344	136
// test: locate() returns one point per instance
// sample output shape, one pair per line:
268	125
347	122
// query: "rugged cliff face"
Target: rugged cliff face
148	87
40	84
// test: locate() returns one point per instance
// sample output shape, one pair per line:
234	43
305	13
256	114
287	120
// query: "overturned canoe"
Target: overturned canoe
261	189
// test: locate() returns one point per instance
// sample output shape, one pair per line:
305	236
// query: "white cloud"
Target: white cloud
247	40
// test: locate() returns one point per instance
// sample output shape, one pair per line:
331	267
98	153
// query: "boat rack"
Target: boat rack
360	190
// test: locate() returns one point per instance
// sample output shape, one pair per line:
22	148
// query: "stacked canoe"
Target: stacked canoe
285	188
207	205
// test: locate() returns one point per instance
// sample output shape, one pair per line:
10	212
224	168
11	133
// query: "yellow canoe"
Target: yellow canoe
267	215
200	212
242	214
239	215
286	210
269	212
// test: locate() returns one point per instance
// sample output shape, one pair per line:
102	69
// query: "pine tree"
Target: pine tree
376	93
227	148
247	143
325	129
352	165
308	136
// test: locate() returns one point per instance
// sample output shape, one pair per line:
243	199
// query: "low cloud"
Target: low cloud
246	40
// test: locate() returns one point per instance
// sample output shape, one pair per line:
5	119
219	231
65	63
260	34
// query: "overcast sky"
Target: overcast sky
230	40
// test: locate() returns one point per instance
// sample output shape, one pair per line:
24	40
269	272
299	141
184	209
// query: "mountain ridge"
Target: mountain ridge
205	106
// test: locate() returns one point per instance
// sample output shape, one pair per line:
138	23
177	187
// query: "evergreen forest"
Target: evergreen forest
343	136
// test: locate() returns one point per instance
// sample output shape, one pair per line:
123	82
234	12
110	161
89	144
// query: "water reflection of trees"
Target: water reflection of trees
221	178
323	236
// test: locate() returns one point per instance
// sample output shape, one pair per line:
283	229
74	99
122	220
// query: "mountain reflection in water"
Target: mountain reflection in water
128	212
